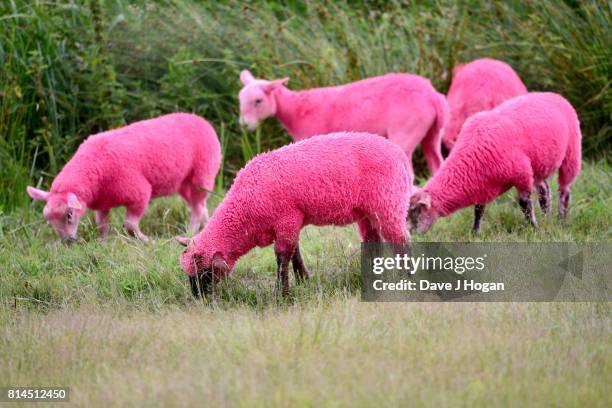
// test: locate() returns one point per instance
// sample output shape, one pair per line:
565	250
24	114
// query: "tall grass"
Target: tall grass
57	86
71	68
331	352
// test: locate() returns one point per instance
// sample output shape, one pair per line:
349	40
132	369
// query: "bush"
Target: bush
69	69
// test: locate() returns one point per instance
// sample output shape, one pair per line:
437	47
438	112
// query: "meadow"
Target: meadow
115	320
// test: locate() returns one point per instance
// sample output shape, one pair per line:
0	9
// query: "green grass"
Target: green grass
337	352
43	272
115	321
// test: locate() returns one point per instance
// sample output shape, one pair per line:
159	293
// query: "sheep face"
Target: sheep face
257	100
421	214
202	274
62	210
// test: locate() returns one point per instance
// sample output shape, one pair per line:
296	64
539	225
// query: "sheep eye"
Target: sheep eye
69	215
258	101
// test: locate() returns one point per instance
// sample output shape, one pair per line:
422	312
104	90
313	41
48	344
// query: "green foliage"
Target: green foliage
57	85
71	68
179	83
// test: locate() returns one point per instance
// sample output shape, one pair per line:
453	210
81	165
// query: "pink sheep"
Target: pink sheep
404	108
478	86
131	165
334	179
519	144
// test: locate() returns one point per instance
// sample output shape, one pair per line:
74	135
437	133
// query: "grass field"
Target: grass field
334	351
116	322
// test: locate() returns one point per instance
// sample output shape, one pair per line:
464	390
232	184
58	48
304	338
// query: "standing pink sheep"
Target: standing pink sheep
334	179
404	108
128	166
478	86
519	144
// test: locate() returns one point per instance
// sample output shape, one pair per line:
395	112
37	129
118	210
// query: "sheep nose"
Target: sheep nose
201	283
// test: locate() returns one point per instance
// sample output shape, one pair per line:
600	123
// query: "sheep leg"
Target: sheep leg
478	213
197	201
135	210
282	274
132	219
544	196
391	228
524	183
287	237
299	269
527	207
103	222
199	215
564	202
132	225
367	231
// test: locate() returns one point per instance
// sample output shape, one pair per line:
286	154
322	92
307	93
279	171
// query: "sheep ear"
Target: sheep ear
277	83
246	77
37	194
425	199
184	241
73	202
220	267
421	198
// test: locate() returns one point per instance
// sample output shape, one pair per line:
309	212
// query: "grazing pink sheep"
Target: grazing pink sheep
404	108
478	86
519	144
334	179
128	166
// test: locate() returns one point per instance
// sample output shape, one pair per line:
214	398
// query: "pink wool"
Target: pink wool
519	144
334	179
131	165
478	86
404	108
